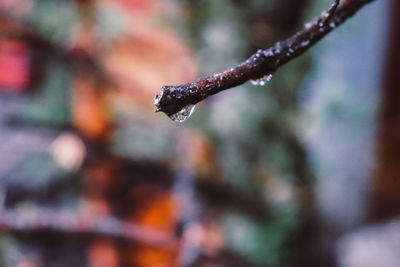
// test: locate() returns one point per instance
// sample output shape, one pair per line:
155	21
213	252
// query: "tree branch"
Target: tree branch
171	99
72	223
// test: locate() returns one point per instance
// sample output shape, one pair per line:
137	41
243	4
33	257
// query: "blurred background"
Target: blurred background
304	171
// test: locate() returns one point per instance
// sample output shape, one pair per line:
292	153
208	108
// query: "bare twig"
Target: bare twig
171	99
72	223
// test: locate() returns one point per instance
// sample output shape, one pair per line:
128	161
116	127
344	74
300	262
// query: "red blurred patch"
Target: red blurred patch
137	5
14	66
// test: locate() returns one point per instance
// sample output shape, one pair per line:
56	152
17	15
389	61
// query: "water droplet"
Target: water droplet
183	114
262	81
305	43
158	97
308	25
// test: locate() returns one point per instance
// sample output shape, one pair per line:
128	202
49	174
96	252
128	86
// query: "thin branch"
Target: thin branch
72	223
171	99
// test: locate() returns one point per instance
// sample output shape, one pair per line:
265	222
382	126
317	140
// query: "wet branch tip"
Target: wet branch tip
178	101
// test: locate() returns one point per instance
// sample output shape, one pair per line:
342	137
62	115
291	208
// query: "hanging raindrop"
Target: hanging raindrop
158	97
183	114
262	81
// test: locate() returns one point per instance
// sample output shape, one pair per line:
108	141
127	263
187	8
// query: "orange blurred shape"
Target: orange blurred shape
143	61
160	212
103	253
89	112
155	257
14	65
199	154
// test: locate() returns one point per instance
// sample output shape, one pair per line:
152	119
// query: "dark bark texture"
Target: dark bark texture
171	99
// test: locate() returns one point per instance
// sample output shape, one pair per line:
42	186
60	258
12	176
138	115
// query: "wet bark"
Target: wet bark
172	99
